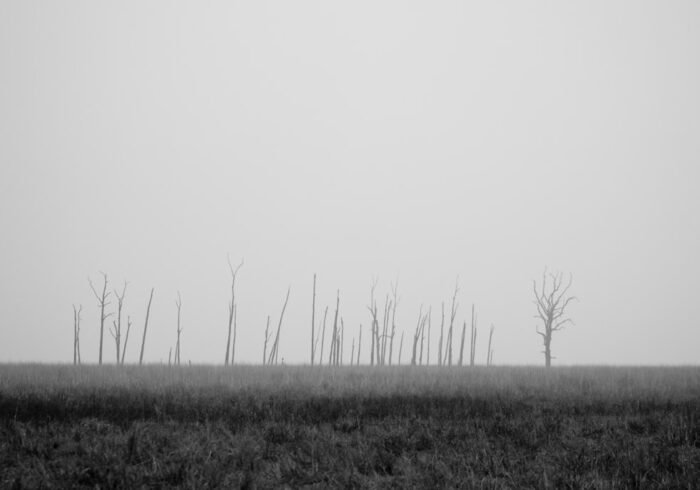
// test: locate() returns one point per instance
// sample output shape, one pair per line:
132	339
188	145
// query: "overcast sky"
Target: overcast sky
356	140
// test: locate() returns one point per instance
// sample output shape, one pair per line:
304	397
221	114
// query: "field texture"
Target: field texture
302	427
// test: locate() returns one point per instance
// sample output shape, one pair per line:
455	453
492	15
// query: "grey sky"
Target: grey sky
418	140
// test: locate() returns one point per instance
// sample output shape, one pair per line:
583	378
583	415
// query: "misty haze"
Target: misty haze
347	238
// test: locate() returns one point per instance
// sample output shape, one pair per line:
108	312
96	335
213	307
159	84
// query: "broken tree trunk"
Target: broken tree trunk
145	327
313	321
274	355
126	337
178	305
76	334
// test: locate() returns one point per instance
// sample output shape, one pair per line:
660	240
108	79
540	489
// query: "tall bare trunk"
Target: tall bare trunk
145	327
313	321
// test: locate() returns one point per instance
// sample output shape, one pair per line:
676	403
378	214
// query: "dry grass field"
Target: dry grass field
360	427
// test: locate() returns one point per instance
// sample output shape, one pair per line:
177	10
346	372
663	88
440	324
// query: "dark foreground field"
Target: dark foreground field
248	427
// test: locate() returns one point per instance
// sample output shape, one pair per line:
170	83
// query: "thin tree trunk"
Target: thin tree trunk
453	314
267	338
461	348
323	335
274	356
400	348
76	334
334	352
102	301
359	345
313	320
472	357
126	337
430	316
178	305
442	329
145	327
489	351
235	334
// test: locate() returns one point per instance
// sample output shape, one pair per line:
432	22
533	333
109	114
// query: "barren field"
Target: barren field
361	427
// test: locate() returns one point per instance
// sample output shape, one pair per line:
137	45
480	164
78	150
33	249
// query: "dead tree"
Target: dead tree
333	358
359	345
126	338
472	354
551	301
417	335
422	335
374	325
385	328
145	327
489	353
430	316
323	335
442	331
231	310
274	352
352	352
103	303
461	347
76	333
267	339
400	348
341	341
116	330
313	322
394	301
178	305
453	314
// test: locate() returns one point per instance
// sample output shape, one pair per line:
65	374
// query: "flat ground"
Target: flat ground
255	427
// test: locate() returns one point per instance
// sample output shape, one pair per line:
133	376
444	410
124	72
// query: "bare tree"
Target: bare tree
313	322
489	353
551	301
400	348
333	359
461	348
374	329
178	305
267	339
453	314
430	316
76	333
274	352
352	352
103	303
472	354
442	331
417	335
116	330
145	327
385	329
323	335
394	301
126	338
231	311
359	345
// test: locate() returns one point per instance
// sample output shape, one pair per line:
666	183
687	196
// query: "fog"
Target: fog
417	142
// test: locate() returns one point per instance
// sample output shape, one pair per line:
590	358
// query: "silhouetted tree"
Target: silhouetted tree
231	314
76	333
551	301
103	303
178	305
145	327
116	330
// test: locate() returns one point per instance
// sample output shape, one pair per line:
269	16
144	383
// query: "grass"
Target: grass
254	427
